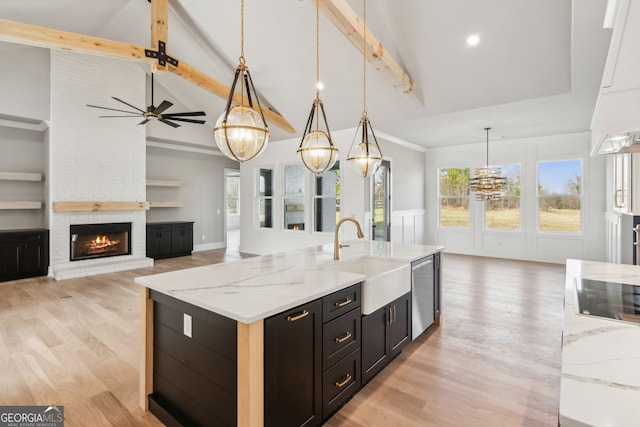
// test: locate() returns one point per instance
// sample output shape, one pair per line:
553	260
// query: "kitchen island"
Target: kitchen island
600	382
216	321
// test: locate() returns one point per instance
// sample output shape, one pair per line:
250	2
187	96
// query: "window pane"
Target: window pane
454	212
454	197
294	213
294	180
327	213
266	213
326	203
559	196
505	213
266	183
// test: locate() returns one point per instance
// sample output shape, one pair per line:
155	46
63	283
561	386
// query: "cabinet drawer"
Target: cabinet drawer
340	383
340	337
340	302
181	227
165	228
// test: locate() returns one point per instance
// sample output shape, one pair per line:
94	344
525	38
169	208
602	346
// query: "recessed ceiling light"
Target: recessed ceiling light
473	40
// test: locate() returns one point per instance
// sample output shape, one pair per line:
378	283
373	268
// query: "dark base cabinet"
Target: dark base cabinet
385	332
169	239
194	378
23	253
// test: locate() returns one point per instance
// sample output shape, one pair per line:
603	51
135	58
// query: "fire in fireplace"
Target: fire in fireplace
100	240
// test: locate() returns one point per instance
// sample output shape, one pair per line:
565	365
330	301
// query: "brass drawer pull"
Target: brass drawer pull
341	384
344	338
304	313
343	303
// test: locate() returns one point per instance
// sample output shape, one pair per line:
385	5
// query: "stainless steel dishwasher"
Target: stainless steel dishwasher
422	295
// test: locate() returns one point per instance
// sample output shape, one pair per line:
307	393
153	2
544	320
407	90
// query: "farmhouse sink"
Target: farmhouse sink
386	280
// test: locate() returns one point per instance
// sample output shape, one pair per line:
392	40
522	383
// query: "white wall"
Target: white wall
526	243
354	198
24	83
94	159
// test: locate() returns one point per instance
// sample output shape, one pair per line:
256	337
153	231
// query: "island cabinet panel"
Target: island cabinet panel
385	332
194	377
293	367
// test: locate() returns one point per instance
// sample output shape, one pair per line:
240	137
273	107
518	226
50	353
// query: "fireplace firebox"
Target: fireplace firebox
90	241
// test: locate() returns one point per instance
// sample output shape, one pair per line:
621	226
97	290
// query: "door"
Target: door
381	203
400	325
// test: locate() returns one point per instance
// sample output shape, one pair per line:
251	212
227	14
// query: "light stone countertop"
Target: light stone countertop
256	288
600	382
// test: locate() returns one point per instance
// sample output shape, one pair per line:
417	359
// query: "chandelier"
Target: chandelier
316	150
487	182
364	155
241	132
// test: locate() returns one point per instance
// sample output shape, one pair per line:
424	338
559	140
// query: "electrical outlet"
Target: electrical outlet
187	326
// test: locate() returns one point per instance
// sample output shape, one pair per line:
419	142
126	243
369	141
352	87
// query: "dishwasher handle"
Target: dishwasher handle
422	264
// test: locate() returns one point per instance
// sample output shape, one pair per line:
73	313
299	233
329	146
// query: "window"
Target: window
559	196
504	214
294	176
326	200
265	198
454	197
233	194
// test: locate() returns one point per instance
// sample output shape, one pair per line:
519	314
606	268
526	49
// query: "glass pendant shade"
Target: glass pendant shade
364	155
316	148
487	182
241	132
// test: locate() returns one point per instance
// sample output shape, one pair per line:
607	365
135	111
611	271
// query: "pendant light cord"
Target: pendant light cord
242	32
317	49
364	59
487	129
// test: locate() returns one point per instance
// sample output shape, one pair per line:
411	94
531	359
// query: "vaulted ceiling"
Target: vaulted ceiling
536	70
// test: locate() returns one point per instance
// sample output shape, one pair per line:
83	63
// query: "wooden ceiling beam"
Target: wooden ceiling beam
159	29
33	35
349	23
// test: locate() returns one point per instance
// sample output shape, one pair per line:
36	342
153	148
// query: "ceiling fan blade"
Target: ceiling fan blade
137	115
112	109
178	119
126	103
167	122
163	106
193	113
144	122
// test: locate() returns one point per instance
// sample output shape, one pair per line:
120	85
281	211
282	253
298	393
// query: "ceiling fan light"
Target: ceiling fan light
241	134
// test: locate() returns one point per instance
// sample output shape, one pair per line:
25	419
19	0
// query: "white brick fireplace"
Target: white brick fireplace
94	159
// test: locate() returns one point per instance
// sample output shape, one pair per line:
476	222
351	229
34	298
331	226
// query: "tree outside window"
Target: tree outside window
560	196
233	195
454	197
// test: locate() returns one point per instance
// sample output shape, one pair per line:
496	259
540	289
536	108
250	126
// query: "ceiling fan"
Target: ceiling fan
155	113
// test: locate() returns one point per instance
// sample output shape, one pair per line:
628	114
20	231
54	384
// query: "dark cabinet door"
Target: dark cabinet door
9	257
31	255
385	332
158	241
374	343
181	239
436	286
399	325
293	367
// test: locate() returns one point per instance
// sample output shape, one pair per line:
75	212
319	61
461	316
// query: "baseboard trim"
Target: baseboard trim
209	246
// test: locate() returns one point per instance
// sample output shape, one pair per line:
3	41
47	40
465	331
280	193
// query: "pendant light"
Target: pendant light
316	148
241	132
364	155
487	182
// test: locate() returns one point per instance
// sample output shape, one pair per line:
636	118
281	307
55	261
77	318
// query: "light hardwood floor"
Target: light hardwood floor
494	361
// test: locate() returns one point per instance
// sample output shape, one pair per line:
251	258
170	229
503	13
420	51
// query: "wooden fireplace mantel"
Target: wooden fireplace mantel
99	206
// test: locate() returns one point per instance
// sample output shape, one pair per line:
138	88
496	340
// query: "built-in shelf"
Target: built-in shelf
99	206
20	205
20	176
164	183
166	204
